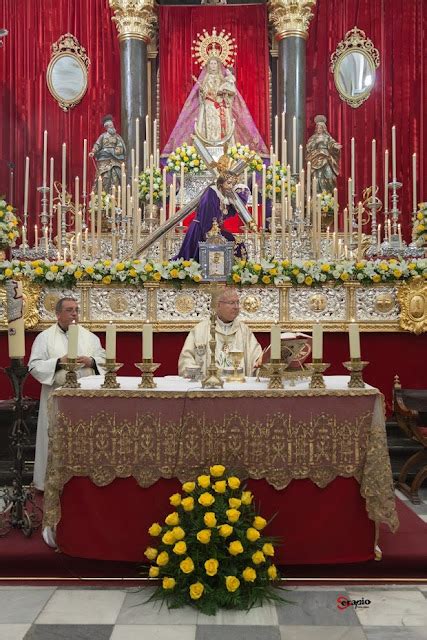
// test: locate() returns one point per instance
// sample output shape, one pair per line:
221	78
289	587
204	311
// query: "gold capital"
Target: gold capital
135	19
290	17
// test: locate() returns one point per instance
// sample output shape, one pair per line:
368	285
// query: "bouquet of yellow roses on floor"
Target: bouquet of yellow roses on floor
211	552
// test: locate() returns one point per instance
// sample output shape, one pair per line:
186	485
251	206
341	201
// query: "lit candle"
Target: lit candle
399	233
72	341
15	319
354	338
36	237
263	193
44	158
300	158
294	144
393	152
359	230
414	182
317	341
386	181
110	341
147	341
275	341
374	168
51	180
379	238
64	172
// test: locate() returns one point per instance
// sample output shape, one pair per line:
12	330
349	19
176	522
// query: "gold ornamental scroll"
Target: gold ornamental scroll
290	17
136	19
157	434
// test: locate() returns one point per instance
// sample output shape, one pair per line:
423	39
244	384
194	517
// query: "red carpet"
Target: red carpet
29	559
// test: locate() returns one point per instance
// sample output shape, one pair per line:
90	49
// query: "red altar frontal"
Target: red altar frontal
316	461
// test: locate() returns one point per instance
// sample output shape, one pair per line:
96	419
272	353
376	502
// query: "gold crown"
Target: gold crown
214	45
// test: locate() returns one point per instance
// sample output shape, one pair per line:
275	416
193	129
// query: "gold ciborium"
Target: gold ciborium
236	358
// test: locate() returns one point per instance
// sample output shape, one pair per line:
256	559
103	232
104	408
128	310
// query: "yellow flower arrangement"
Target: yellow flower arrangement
9	226
217	556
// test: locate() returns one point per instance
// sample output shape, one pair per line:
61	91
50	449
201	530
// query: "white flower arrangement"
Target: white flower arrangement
187	155
243	152
9	225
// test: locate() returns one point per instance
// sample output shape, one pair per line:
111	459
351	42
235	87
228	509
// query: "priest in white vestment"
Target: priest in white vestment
232	334
48	354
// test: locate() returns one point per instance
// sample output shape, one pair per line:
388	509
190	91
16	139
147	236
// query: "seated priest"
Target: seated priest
232	334
48	355
214	203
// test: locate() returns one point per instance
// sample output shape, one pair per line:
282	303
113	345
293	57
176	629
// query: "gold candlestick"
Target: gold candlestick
355	366
71	367
147	368
111	367
317	367
274	373
212	379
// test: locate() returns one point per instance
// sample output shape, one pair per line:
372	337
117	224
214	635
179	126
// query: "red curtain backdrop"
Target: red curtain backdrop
397	28
179	26
27	107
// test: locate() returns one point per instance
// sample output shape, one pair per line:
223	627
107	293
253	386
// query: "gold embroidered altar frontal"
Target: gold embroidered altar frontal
277	435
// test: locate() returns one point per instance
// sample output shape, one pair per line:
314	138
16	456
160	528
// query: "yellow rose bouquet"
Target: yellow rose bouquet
210	551
420	225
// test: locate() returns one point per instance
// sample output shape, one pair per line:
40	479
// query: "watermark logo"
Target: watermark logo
343	603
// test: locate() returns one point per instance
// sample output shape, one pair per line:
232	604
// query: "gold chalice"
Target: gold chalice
236	358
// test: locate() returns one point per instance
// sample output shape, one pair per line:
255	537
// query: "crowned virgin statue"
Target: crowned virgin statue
215	110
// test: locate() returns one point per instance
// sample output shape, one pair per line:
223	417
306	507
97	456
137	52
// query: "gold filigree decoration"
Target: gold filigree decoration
117	302
184	304
31	293
250	304
318	302
290	17
136	19
384	302
412	297
50	301
214	45
3	303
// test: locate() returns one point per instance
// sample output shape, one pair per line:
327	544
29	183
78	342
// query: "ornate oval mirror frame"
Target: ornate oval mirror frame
66	74
353	64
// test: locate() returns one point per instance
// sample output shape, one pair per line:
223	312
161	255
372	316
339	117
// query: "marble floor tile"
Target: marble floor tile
13	631
393	608
235	632
258	616
23	604
69	632
153	632
395	633
83	607
135	610
304	632
316	608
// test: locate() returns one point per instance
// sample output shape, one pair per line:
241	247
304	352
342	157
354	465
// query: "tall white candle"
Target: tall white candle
64	172
354	339
317	341
414	182
393	152
137	142
84	166
379	238
147	341
353	162
294	144
263	193
276	135
51	182
275	341
73	336
399	233
359	230
15	319
110	341
45	158
36	237
386	181
300	158
26	183
374	168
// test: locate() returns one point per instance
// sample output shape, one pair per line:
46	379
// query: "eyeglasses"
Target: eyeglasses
232	303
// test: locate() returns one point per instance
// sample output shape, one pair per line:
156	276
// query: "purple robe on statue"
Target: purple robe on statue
208	209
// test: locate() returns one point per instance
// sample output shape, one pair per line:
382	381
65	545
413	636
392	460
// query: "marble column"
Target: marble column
136	23
290	20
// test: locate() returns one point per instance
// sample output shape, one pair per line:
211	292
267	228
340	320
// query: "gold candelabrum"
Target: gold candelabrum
147	368
274	370
111	367
212	379
355	366
71	367
317	368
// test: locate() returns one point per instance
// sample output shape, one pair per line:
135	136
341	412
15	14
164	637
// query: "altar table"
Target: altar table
316	459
